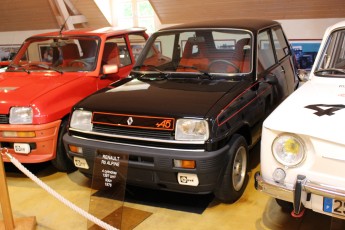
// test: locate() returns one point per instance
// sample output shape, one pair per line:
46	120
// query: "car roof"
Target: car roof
253	25
97	32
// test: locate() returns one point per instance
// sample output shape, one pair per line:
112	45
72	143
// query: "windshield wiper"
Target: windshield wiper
43	66
48	67
18	67
329	70
155	68
193	67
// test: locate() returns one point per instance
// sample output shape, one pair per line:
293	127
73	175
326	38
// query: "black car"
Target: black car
191	108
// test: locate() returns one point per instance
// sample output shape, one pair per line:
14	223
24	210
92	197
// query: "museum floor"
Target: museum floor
145	209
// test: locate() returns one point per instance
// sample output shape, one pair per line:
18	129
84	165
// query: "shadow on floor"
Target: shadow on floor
170	200
275	219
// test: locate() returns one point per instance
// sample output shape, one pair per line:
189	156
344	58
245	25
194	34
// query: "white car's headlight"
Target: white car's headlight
191	130
288	150
81	120
21	115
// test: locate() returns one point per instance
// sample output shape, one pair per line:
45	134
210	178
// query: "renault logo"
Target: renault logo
129	120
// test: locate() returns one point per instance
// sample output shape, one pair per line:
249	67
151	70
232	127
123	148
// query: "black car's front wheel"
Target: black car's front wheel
235	177
61	161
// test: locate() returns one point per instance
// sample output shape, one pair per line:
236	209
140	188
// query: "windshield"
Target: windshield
205	51
70	54
332	60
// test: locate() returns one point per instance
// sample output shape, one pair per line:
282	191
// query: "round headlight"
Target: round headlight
289	150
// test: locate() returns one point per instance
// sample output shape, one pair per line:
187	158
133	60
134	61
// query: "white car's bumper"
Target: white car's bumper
319	197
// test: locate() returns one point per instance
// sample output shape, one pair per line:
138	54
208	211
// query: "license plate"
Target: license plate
80	163
21	148
334	206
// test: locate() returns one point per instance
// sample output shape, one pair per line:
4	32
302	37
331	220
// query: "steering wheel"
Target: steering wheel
222	68
79	63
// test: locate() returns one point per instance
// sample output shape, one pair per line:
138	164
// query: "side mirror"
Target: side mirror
303	75
110	69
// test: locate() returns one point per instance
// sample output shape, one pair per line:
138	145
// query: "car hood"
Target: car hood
316	109
20	88
173	97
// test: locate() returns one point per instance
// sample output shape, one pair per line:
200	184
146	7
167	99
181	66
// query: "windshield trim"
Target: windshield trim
41	39
152	39
317	71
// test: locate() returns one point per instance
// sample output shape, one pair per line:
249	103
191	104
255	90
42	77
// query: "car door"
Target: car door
284	59
119	50
268	67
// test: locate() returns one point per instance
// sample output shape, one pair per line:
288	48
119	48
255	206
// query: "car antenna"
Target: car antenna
63	25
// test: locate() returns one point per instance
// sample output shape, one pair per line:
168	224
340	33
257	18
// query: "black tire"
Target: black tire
235	178
285	205
61	161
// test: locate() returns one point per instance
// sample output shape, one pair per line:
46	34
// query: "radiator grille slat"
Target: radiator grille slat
4	119
145	133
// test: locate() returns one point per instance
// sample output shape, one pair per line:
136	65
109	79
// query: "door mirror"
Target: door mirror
303	75
110	69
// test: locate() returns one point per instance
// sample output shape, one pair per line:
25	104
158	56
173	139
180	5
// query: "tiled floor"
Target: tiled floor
253	211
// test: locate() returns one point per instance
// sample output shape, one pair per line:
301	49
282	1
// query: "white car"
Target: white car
303	140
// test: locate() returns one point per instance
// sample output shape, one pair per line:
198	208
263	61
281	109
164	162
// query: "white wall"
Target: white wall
17	37
307	28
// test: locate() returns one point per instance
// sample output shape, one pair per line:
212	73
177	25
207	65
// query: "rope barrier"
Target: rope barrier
69	204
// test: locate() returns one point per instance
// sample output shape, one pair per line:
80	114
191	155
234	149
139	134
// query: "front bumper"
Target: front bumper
153	167
301	194
42	146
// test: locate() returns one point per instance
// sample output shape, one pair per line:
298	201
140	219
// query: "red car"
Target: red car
50	73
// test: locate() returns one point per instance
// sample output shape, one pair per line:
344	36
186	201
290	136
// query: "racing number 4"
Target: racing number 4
320	111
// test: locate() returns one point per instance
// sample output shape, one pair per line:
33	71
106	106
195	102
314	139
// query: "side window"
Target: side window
116	52
280	44
265	52
137	44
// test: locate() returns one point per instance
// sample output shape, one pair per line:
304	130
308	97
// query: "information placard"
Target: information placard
108	188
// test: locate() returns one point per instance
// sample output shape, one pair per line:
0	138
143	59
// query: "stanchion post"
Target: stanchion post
4	198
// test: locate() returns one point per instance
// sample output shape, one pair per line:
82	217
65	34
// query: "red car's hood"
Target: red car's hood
21	88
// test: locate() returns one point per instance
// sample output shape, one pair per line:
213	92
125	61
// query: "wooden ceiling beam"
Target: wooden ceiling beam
179	11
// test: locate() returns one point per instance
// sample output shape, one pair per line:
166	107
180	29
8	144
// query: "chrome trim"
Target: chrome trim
141	146
298	193
307	186
283	193
324	190
274	190
139	138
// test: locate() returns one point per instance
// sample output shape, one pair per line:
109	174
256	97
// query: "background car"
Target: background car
50	73
192	110
302	147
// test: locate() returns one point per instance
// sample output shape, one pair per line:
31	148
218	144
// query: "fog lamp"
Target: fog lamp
279	175
18	134
187	164
75	149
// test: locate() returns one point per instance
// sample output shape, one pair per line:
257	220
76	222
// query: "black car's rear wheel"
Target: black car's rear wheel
235	177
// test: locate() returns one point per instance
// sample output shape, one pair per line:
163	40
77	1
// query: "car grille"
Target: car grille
157	134
148	131
4	119
133	125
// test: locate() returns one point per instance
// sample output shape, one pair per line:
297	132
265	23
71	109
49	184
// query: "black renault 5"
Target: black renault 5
191	108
